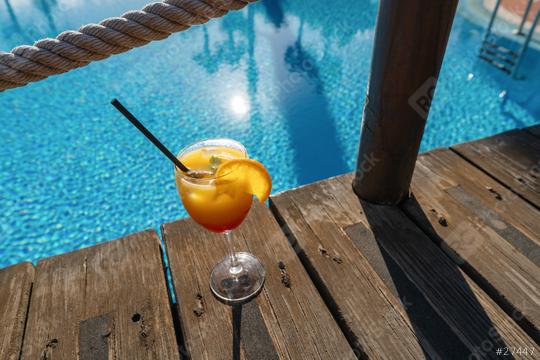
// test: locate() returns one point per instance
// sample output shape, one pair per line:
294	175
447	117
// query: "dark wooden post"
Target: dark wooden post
410	41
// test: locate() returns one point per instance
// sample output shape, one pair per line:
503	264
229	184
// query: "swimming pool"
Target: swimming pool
286	78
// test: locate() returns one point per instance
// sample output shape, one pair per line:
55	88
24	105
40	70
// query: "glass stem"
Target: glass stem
235	267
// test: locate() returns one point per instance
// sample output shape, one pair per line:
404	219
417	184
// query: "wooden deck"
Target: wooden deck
452	273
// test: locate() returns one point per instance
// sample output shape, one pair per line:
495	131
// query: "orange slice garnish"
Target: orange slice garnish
249	174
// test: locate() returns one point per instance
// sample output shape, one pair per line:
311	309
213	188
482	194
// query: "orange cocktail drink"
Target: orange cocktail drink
216	182
217	191
217	203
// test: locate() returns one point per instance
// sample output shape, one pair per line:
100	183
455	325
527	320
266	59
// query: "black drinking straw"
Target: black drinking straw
149	135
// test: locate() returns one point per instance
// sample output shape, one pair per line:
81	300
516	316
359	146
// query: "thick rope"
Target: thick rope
73	49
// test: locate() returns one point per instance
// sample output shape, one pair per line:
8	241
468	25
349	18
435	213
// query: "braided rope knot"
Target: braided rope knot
92	42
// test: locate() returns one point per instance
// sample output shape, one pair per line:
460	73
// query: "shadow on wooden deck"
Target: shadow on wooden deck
426	281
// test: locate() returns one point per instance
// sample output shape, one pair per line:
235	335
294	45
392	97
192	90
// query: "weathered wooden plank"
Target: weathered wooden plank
15	289
488	230
374	319
513	158
487	198
286	322
463	309
107	301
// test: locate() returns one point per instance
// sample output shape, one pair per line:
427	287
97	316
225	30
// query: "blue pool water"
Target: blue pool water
286	78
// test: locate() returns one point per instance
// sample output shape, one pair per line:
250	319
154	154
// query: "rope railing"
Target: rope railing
93	42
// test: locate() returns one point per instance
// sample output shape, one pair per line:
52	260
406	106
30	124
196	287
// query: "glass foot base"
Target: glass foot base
240	284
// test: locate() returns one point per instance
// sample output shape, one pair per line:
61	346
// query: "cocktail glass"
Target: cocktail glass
219	203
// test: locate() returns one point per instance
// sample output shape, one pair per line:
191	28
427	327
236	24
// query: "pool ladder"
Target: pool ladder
502	58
